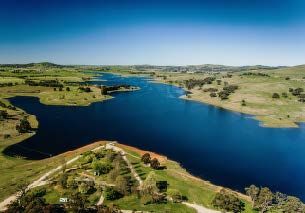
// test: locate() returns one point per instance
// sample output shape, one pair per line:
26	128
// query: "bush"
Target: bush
154	163
284	95
101	167
146	158
112	194
121	185
228	202
223	95
24	126
213	95
85	188
243	102
275	95
63	180
162	185
3	115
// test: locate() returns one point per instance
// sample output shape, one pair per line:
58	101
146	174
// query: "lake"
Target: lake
224	147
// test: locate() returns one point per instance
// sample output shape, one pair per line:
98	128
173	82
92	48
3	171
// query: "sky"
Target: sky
159	32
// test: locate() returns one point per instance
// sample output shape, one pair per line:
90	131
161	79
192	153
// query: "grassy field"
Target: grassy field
195	189
255	90
15	171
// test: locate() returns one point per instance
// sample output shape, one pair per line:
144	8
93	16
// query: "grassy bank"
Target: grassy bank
80	177
195	189
254	90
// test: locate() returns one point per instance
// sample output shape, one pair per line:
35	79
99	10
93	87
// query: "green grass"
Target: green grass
196	190
256	91
133	203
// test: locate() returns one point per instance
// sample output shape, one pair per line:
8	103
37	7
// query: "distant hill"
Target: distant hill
41	64
204	68
188	68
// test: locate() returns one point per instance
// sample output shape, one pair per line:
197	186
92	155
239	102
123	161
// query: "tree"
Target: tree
85	188
223	95
63	180
77	202
243	102
228	202
104	90
101	167
154	163
275	95
264	200
71	183
146	158
113	174
24	126
292	204
284	95
121	185
112	194
149	184
162	185
213	95
67	89
253	192
3	115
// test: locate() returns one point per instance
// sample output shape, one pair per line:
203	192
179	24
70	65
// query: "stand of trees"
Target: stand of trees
154	163
265	200
256	74
106	89
299	93
227	90
24	126
45	83
191	83
85	89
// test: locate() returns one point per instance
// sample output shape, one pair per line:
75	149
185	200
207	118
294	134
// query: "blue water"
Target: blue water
229	149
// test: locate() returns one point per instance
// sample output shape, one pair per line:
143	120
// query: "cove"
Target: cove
226	148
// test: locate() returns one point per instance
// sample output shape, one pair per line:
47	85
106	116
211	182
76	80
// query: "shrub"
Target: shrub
275	95
101	167
63	180
243	102
213	95
162	185
24	126
146	158
154	163
284	95
223	95
228	202
112	194
85	188
3	115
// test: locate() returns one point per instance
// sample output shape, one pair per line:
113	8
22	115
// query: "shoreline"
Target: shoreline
175	170
257	117
187	174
